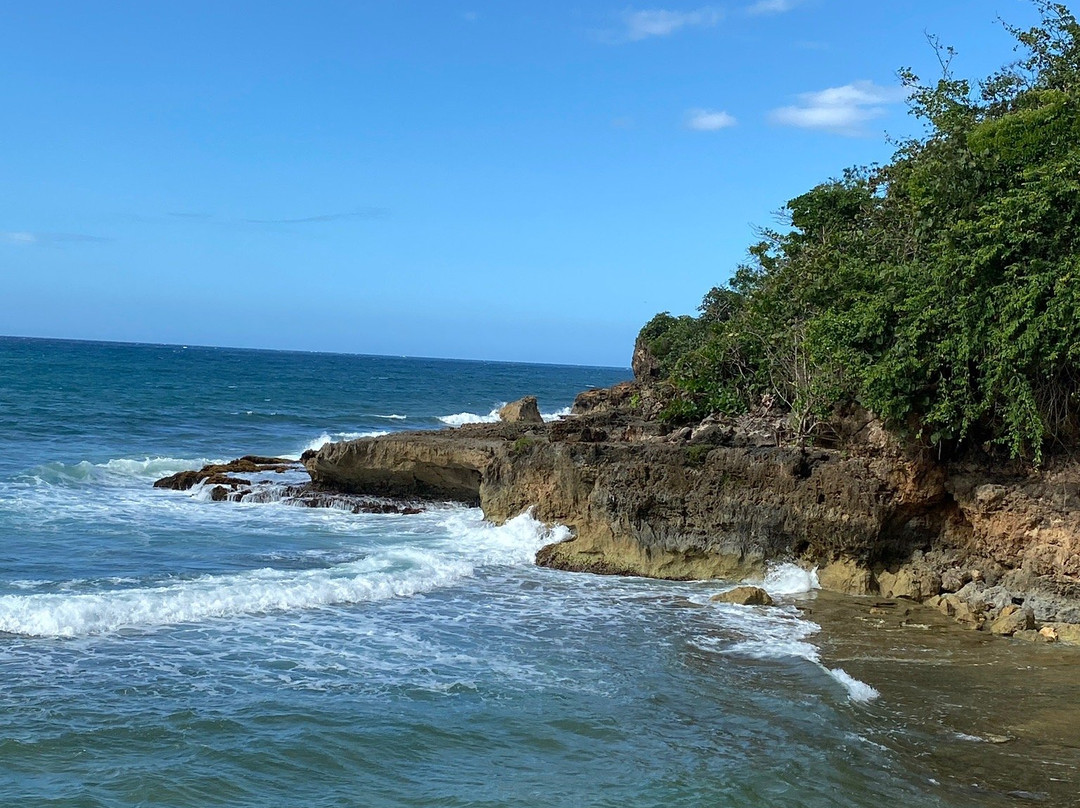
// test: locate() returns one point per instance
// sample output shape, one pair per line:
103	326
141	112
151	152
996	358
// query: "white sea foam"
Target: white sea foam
117	470
462	418
335	437
779	634
963	736
465	543
857	690
555	416
790	579
393	417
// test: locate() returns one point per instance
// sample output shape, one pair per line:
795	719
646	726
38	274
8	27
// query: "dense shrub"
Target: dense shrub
940	290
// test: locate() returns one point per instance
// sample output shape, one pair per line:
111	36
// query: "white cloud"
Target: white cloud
24	238
708	120
772	6
841	110
661	22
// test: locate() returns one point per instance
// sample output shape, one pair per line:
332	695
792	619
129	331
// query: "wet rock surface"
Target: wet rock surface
744	596
219	474
224	487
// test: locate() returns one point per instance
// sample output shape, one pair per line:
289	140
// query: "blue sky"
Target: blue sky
526	181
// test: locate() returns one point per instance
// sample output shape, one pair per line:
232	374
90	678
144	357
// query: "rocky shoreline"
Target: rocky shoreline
994	547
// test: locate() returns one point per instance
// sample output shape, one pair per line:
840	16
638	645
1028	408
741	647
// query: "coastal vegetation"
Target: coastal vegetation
940	291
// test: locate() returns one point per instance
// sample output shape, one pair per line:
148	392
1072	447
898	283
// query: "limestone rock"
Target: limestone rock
522	411
953	580
644	363
957	608
914	582
847	577
217	474
1067	633
1048	633
1009	623
745	596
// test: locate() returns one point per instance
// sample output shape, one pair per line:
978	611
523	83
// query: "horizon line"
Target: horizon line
190	345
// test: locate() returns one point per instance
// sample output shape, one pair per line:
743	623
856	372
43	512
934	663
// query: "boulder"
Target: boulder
1010	622
913	582
745	596
522	411
1066	633
846	577
1048	633
957	608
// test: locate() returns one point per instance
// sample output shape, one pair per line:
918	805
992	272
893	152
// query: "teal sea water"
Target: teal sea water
157	648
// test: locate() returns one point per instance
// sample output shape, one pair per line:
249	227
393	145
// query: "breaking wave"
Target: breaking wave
468	543
336	437
462	418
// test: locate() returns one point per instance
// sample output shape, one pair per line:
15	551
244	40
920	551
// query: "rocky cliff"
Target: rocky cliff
726	497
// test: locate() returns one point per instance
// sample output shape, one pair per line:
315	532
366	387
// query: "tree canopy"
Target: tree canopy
940	291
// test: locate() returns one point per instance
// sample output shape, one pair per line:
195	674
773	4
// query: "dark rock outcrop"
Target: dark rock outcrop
218	474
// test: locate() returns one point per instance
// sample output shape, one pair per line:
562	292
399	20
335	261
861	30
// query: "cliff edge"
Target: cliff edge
726	497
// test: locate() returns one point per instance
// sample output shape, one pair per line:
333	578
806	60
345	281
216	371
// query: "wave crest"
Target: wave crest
468	543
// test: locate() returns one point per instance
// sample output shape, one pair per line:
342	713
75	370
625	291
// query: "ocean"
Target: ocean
160	649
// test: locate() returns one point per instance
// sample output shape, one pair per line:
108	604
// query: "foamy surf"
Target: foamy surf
790	579
462	418
336	437
785	635
118	470
466	543
780	633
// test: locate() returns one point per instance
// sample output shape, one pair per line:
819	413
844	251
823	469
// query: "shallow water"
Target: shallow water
161	649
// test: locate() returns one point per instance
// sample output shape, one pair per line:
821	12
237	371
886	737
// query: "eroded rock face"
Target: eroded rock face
723	498
646	367
428	465
643	503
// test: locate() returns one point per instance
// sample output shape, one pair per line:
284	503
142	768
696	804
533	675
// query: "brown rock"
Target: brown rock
745	596
1008	624
1048	633
522	411
846	577
913	582
1067	633
217	474
645	365
957	608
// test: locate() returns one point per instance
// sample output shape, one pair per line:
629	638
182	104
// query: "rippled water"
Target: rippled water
160	649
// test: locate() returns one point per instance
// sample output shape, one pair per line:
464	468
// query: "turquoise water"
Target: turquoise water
160	649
